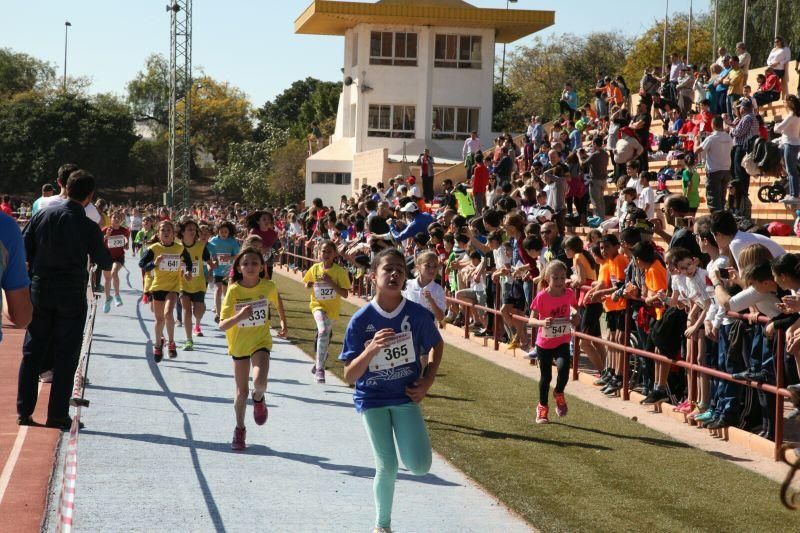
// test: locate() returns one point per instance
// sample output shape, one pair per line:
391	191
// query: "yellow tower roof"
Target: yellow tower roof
333	17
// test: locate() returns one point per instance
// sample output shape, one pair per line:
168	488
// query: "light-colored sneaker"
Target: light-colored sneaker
188	346
117	301
107	305
789	199
541	414
382	530
319	375
238	443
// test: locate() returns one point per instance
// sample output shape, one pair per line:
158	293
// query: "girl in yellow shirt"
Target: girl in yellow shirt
329	283
193	291
244	320
166	259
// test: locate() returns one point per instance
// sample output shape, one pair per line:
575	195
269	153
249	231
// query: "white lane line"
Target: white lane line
11	462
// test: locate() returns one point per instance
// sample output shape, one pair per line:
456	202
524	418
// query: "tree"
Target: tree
148	92
245	173
760	26
220	116
305	101
21	73
147	165
538	72
39	133
287	176
647	49
506	117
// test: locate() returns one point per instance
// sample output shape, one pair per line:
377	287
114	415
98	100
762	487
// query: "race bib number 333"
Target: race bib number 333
258	316
400	351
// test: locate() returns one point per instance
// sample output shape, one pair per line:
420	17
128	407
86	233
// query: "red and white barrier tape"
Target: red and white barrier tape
66	501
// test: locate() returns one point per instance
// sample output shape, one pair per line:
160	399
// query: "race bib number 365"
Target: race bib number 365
258	316
169	263
400	351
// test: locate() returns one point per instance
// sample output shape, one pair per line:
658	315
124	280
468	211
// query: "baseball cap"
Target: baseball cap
410	207
744	102
412	180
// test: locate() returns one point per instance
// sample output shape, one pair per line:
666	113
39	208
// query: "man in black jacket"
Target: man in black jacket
59	241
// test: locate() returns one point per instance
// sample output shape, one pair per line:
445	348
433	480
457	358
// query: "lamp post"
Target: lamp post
664	46
67	24
503	68
689	35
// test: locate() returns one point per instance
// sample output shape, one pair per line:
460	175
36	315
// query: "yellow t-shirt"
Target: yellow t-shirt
323	297
198	281
169	267
252	333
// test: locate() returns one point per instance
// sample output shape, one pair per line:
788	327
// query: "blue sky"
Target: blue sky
248	43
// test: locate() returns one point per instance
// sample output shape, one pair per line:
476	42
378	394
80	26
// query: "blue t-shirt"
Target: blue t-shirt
219	246
388	386
13	272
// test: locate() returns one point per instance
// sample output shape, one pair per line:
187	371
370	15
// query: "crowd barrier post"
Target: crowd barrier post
779	401
467	315
626	359
576	357
498	318
691	382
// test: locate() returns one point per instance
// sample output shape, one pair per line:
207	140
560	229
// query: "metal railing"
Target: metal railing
694	369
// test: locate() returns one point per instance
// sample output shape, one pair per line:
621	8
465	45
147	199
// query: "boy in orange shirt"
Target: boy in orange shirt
612	273
654	293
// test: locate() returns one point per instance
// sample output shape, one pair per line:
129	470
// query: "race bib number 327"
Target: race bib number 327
400	351
324	291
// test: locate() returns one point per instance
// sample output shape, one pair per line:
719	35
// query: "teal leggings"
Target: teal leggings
405	424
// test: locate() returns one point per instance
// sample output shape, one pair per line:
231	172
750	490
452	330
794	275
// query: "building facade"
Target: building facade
416	75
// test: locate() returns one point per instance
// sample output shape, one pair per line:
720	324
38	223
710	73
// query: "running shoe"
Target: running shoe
260	410
146	298
239	435
179	323
46	376
216	319
382	530
531	354
561	404
319	376
541	414
158	353
107	305
117	301
682	405
172	350
705	416
188	346
198	331
656	397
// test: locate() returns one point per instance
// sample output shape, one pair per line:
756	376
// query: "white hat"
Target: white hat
410	207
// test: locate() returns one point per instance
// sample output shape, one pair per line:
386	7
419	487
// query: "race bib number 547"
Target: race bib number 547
399	351
558	328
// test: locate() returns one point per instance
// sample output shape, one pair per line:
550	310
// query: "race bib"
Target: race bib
400	351
258	316
169	263
195	269
117	241
224	260
324	291
558	328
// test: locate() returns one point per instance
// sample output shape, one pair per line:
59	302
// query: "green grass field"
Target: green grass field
591	471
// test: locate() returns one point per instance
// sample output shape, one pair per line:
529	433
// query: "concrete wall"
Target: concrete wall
329	193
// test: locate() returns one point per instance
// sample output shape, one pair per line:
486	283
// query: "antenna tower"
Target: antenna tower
180	99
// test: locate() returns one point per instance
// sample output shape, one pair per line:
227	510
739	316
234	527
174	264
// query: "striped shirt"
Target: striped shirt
744	129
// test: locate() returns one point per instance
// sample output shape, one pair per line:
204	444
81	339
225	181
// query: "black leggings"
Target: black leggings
546	358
